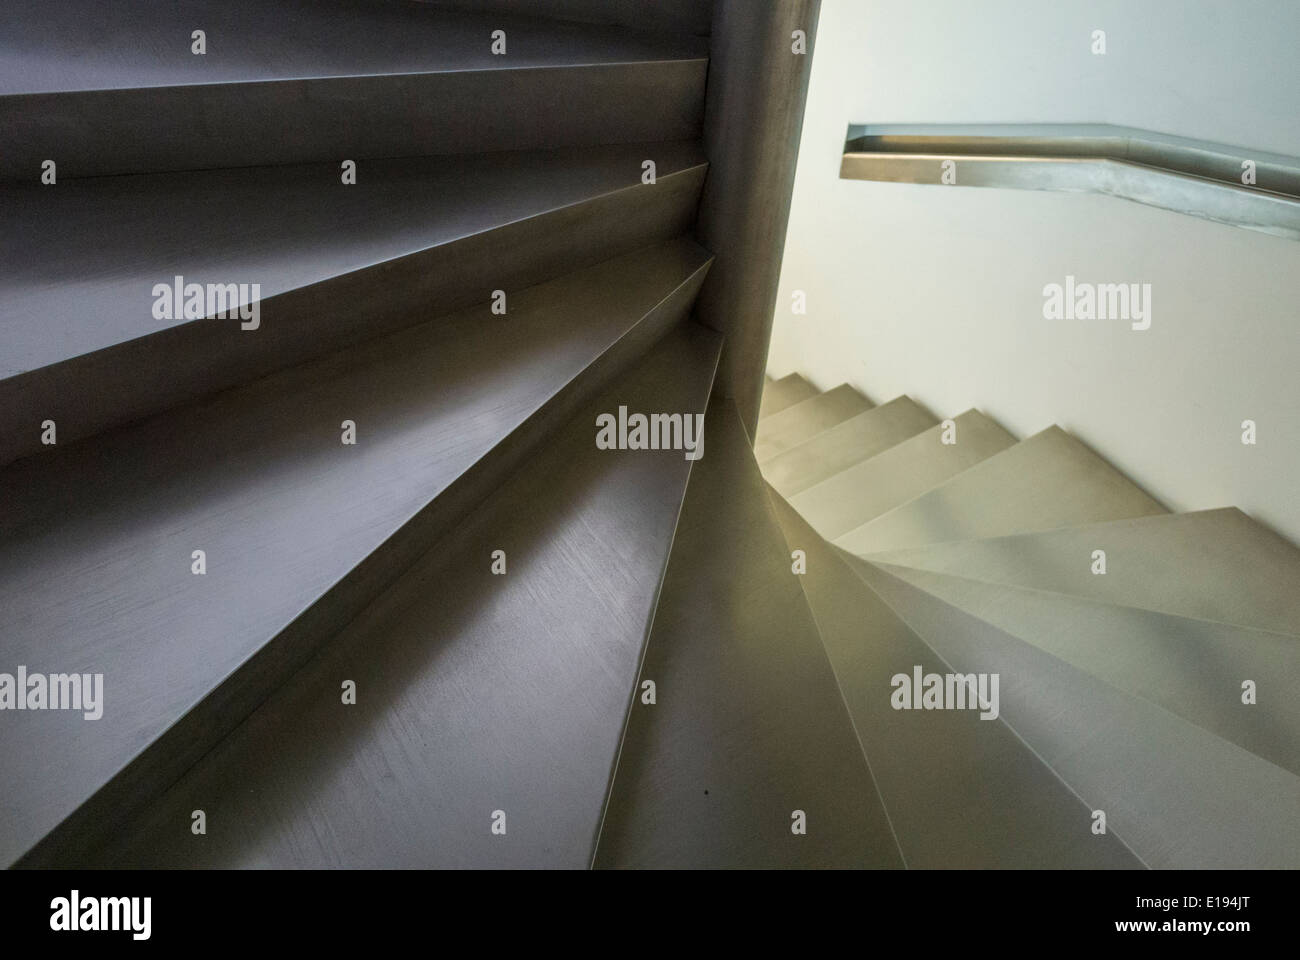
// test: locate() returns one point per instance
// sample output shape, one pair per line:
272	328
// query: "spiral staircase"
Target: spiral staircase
365	592
1124	636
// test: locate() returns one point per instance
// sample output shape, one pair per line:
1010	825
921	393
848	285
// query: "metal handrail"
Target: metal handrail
1252	189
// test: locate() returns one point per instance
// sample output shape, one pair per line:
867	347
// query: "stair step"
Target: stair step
1179	796
961	792
855	496
300	531
852	441
1047	481
748	726
1193	668
112	88
779	394
475	692
1215	565
800	421
676	16
412	239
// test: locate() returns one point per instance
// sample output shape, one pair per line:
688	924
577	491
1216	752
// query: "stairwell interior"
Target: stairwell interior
360	588
1131	644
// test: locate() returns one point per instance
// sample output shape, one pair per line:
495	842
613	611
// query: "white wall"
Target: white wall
937	291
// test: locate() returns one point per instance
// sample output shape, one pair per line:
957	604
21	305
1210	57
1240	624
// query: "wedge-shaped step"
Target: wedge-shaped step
865	490
292	530
1178	795
1193	668
479	687
333	265
800	421
1047	481
1212	565
779	394
961	791
856	439
747	741
108	88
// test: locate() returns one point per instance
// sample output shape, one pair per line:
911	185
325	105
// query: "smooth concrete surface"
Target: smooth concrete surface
868	489
1192	668
753	114
412	239
1046	481
1211	565
299	530
475	691
961	792
1180	796
799	421
748	726
112	88
845	444
779	394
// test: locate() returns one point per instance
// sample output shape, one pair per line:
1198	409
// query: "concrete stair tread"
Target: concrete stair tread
779	394
412	238
786	428
1178	795
845	444
115	88
299	530
961	792
866	490
84	45
748	726
1046	481
1193	668
1216	565
475	691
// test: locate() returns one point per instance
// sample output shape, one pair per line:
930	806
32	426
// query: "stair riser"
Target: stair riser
961	792
1216	565
845	445
455	664
1180	797
796	423
169	755
208	126
845	503
1192	668
88	394
748	725
783	393
1048	481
